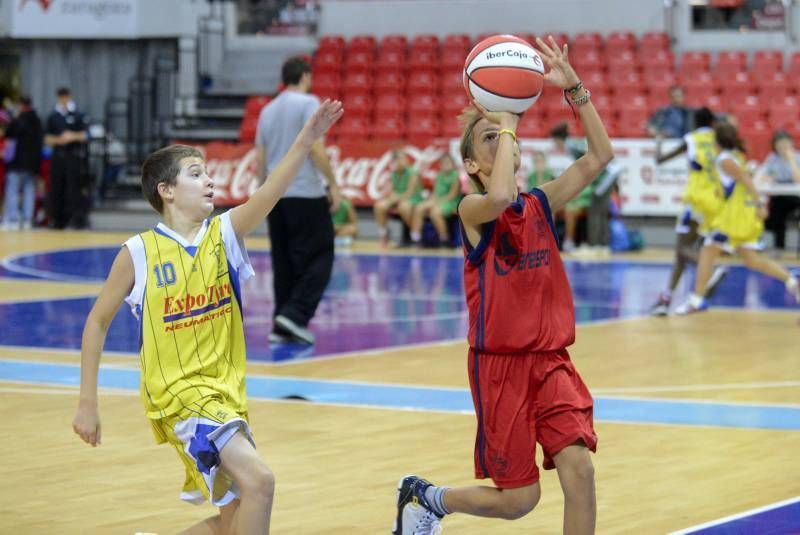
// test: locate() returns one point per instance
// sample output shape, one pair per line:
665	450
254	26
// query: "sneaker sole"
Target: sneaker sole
285	325
397	527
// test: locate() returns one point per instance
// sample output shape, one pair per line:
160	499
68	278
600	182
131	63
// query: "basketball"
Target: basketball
504	73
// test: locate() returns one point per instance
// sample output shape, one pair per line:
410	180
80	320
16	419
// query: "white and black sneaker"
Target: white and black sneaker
415	516
278	338
300	334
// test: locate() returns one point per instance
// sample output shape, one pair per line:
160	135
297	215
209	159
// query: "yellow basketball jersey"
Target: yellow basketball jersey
738	219
703	191
192	345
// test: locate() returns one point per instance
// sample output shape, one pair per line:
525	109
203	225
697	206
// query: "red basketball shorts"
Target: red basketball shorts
521	400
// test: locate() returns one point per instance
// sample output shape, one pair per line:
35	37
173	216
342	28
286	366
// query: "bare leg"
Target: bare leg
256	484
576	474
437	218
767	266
418	218
571	222
686	252
405	209
705	267
348	229
509	504
209	526
381	210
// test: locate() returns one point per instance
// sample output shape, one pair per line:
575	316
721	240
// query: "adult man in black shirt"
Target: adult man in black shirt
66	133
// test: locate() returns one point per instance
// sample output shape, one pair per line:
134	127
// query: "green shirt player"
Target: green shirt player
441	204
405	194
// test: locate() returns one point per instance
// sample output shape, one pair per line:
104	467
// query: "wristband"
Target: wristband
509	132
580	101
574	89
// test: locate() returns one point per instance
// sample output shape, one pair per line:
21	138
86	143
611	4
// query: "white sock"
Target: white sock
416	237
382	232
696	300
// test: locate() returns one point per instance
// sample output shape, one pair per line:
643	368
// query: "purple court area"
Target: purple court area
372	302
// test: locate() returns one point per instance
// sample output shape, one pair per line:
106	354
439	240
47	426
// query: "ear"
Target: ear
471	166
165	190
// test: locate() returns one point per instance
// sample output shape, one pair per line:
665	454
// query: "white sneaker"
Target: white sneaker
419	521
691	305
793	287
414	514
568	246
300	333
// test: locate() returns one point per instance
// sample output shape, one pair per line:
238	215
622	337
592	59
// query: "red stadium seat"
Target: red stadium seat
560	37
391	60
605	106
735	87
453	59
353	128
390	104
451	81
617	41
330	42
359	82
254	104
359	60
389	82
457	41
450	127
358	104
531	126
747	111
422	59
586	41
758	139
595	81
327	61
784	114
388	128
652	41
422	81
714	102
767	61
624	81
589	60
362	42
453	104
794	66
330	94
772	87
425	42
326	82
658	84
731	61
695	61
423	103
423	128
527	37
657	60
247	130
395	42
618	60
632	125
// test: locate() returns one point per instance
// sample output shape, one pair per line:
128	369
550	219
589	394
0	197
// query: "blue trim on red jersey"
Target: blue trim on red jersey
542	196
475	254
479	342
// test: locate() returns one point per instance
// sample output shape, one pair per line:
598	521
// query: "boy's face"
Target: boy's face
485	137
193	192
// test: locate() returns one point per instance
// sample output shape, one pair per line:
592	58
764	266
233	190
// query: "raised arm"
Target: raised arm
119	283
581	173
246	217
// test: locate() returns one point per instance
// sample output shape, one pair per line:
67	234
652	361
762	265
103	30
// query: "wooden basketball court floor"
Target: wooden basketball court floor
698	417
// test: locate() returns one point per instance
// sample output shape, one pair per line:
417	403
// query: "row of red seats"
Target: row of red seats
578	42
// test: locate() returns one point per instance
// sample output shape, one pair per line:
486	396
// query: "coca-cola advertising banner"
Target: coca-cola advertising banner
363	171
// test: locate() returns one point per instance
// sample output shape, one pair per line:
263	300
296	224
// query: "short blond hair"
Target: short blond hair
468	119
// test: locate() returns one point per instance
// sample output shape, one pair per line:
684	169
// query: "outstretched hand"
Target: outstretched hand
561	73
505	119
328	113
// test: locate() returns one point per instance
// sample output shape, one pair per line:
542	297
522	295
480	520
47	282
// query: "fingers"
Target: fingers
480	108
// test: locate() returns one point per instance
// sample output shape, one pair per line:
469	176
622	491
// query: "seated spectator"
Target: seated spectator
541	173
405	194
782	166
345	223
441	204
673	120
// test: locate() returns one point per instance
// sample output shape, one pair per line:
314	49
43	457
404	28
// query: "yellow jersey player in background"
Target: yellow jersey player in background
182	280
738	225
702	200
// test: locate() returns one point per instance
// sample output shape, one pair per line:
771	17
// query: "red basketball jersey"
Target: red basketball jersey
517	292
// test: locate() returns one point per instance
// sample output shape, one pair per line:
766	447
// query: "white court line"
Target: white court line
727	519
695	387
695	401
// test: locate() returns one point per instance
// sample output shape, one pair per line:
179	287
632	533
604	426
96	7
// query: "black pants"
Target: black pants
66	192
780	207
301	232
597	229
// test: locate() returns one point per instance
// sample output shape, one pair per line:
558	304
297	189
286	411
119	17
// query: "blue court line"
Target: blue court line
782	518
610	409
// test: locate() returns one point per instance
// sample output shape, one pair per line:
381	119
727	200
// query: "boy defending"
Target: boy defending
182	281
